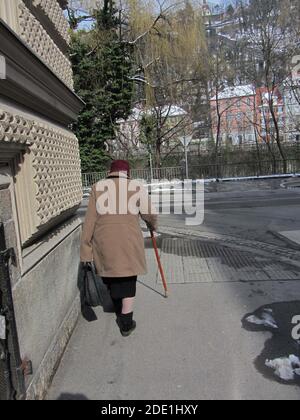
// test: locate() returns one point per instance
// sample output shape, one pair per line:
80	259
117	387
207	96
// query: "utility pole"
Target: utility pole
186	160
185	140
151	165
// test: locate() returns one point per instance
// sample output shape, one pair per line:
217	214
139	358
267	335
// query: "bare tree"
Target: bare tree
170	46
220	76
269	35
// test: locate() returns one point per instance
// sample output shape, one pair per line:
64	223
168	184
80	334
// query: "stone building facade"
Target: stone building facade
40	179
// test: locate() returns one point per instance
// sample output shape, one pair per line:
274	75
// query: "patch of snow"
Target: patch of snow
286	367
169	111
160	184
249	178
166	111
266	319
228	37
236	92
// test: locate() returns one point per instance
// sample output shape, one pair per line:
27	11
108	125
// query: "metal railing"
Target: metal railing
209	171
89	179
158	173
245	169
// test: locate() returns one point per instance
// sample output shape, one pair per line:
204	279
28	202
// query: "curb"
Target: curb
289	242
287	253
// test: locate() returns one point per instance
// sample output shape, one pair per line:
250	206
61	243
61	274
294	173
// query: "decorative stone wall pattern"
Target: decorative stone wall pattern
57	176
9	13
51	171
36	37
52	9
14	128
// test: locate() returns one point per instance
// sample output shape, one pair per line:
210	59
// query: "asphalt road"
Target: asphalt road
250	210
249	214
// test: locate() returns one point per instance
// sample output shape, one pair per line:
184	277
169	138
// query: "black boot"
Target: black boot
126	324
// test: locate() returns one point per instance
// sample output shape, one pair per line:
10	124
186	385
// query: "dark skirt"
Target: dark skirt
121	287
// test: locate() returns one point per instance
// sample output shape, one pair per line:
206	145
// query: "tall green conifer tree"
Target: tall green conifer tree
102	64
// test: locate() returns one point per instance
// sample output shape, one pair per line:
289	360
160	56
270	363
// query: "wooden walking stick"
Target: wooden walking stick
159	263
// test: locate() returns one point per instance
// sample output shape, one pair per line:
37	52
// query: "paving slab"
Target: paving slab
189	346
192	261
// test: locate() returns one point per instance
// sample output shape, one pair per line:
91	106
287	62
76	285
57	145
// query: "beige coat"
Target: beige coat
114	241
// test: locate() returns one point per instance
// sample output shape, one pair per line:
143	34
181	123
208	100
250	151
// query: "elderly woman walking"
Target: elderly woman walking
113	240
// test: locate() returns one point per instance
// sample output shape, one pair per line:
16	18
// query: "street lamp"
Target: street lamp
151	165
186	140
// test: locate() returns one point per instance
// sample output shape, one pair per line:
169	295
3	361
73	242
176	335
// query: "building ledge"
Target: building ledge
31	83
34	254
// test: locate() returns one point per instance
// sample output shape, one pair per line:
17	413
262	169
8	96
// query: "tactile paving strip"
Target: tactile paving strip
194	261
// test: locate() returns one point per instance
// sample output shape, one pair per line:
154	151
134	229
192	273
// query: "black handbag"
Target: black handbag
95	292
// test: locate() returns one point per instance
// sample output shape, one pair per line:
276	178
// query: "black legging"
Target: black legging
121	288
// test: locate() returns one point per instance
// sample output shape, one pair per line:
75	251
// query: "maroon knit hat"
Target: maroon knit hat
120	166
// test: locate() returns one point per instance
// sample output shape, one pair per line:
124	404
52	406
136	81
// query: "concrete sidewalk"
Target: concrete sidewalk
191	345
